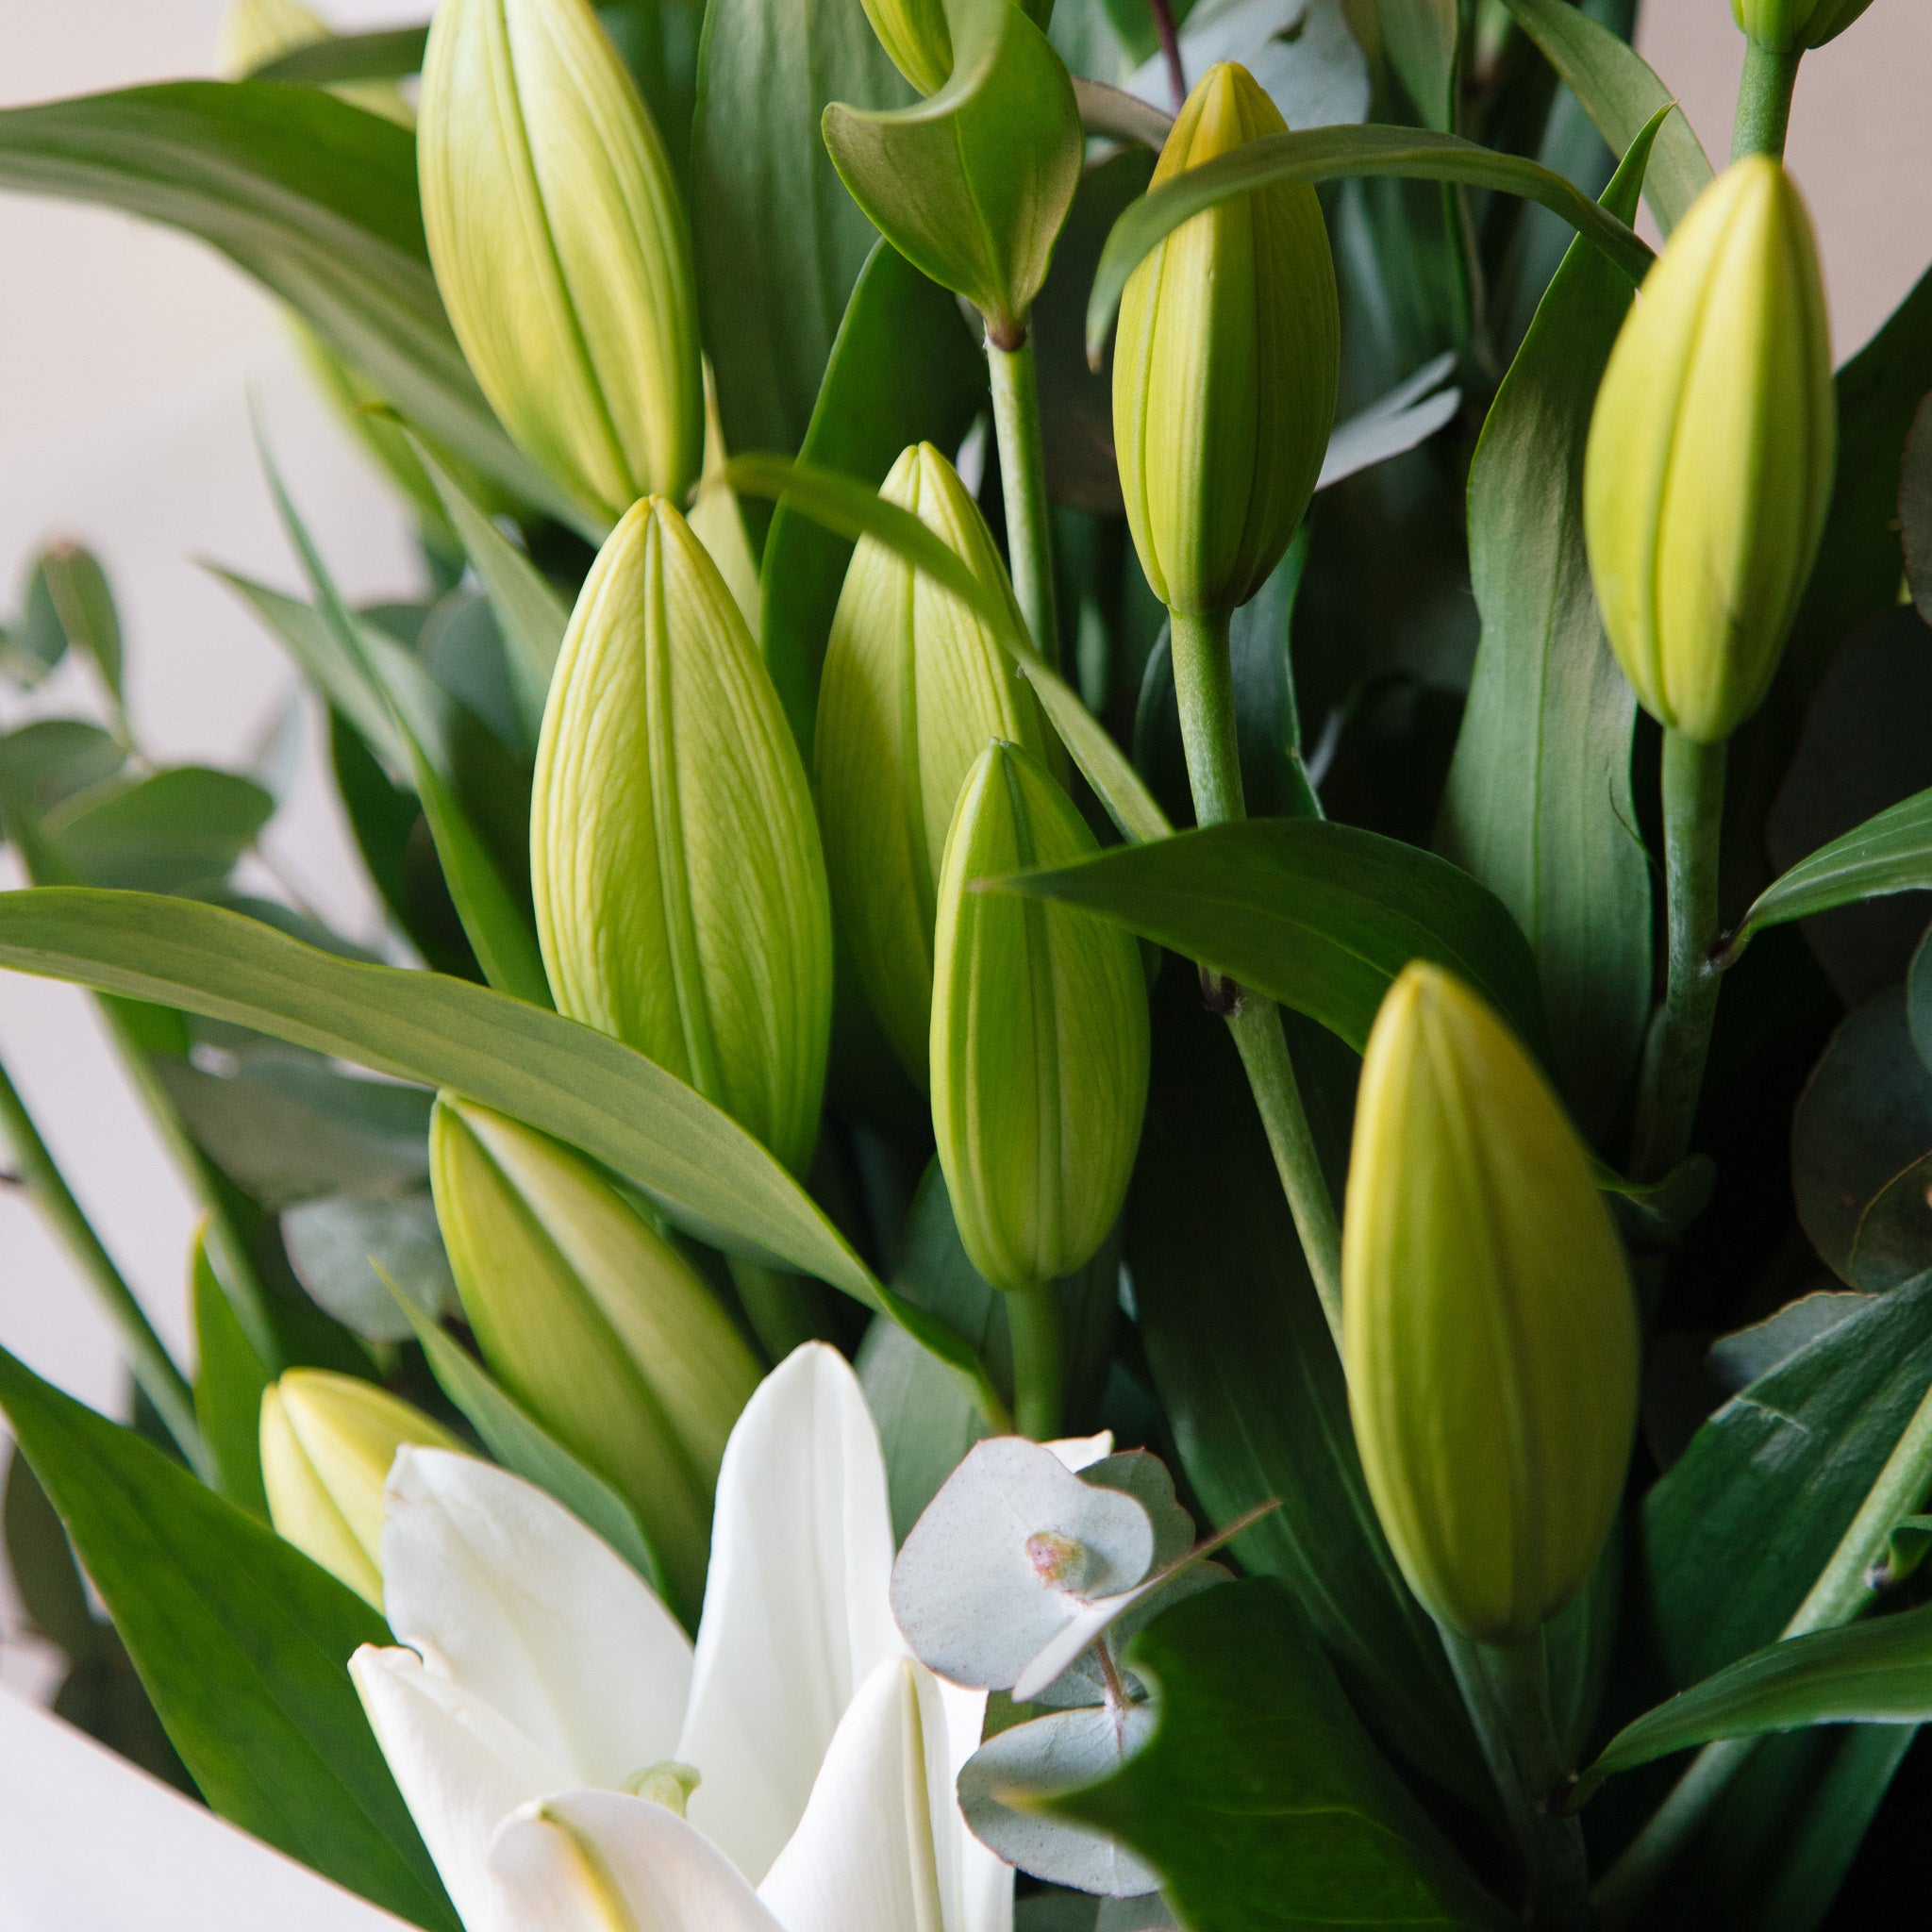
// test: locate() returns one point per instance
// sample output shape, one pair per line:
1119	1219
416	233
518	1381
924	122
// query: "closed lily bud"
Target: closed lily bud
561	247
1489	1333
1225	367
1711	455
1040	1042
680	890
915	34
1782	24
594	1322
915	686
328	1442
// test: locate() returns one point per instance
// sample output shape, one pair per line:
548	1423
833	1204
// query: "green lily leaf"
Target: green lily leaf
1330	153
241	1642
1319	917
1419	36
392	53
973	186
1620	95
313	198
229	1377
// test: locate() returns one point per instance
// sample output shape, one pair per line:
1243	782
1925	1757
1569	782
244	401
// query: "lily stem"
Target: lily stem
1765	102
785	1310
1680	1041
1033	1318
1023	484
1204	688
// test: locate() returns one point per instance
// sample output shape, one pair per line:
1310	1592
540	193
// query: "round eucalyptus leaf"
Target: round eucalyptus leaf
336	1245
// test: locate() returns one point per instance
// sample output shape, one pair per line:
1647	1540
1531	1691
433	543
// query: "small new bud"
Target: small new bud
560	244
680	890
1711	455
1782	24
1489	1333
1040	1036
328	1442
915	688
1225	367
594	1322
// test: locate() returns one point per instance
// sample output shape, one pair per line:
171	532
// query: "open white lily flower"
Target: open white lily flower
545	1688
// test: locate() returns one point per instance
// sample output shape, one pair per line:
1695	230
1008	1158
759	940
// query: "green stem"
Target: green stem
1204	689
1023	483
1507	1692
1842	1591
1765	102
1033	1318
785	1310
153	1367
1694	800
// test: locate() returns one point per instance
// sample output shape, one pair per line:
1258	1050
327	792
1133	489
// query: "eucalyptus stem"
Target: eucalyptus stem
1680	1041
1023	484
1765	102
1033	1320
1507	1689
1170	52
1842	1591
1204	689
785	1310
148	1359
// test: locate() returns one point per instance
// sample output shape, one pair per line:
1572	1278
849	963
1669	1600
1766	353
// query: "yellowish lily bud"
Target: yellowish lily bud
1782	24
1711	455
594	1322
914	33
561	247
915	687
254	32
1225	367
680	890
1489	1332
328	1442
1040	1041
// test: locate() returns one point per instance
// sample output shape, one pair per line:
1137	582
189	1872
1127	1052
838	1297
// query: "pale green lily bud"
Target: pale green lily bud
561	247
914	33
1782	24
254	32
1711	455
915	688
1225	367
1489	1333
675	860
328	1442
594	1322
1040	1038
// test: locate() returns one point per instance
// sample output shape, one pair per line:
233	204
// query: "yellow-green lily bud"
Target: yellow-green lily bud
328	1442
254	32
915	688
1489	1329
914	33
1711	455
594	1322
1782	24
1038	1037
1225	367
680	890
561	247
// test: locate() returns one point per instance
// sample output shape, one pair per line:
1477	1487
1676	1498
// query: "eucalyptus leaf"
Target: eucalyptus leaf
53	760
389	54
1300	53
1420	38
229	1378
1737	1359
180	830
350	1252
77	589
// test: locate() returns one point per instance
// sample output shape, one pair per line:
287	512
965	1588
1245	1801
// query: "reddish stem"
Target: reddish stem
1171	51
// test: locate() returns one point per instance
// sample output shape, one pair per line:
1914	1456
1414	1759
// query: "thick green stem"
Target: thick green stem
152	1368
1765	102
1507	1692
1023	483
1033	1318
1694	800
1841	1593
785	1310
1204	689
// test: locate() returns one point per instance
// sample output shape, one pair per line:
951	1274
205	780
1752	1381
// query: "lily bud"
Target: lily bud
594	1322
328	1442
915	688
680	890
1782	24
1225	367
561	247
1040	1041
914	33
1489	1333
1711	455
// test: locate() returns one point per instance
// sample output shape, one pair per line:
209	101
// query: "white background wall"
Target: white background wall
126	359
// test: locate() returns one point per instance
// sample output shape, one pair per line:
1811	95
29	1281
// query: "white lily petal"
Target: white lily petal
461	1767
598	1861
1081	1451
506	1592
978	1882
797	1608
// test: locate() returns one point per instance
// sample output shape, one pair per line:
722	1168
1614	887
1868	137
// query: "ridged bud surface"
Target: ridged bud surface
1489	1333
1782	24
1225	367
